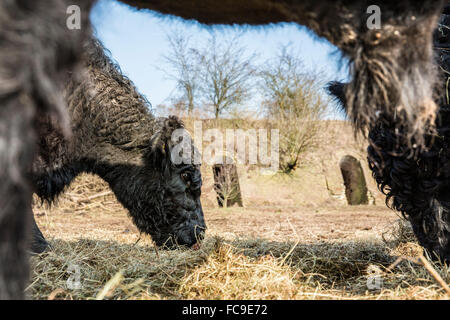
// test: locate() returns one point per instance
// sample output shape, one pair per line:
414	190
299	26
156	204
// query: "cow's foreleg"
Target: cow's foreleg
16	155
38	242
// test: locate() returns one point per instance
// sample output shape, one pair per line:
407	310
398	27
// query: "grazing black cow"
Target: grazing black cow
115	136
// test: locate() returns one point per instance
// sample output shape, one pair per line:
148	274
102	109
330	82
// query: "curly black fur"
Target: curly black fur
417	183
418	187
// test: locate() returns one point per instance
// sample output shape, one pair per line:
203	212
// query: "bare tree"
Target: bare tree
293	104
226	74
183	69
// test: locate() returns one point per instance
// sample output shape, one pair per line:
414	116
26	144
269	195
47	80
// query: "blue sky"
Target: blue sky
137	40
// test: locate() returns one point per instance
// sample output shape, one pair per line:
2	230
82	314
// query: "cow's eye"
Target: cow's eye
185	177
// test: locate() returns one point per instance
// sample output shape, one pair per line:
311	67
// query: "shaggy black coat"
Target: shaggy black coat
392	73
417	183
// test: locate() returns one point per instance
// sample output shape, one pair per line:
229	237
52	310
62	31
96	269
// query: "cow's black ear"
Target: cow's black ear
158	153
337	90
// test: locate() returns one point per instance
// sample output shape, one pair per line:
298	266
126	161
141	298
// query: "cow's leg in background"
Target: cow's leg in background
37	52
16	155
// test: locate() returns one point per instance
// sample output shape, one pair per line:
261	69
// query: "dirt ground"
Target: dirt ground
109	221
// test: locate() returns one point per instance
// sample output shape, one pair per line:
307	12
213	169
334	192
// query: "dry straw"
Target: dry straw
240	268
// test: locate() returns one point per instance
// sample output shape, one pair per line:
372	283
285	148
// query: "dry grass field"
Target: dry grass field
295	238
